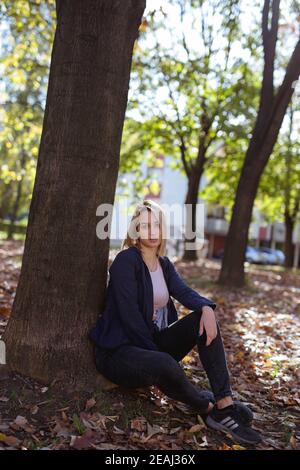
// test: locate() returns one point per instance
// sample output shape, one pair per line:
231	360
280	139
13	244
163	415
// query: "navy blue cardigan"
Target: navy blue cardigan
127	317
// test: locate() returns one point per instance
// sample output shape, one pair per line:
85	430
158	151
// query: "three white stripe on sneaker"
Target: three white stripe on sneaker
229	423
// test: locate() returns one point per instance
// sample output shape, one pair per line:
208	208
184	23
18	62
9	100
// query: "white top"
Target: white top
160	295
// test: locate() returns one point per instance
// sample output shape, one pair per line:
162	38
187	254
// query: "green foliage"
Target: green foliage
204	92
27	30
185	90
279	189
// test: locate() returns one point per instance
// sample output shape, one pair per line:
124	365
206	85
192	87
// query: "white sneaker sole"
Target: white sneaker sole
220	427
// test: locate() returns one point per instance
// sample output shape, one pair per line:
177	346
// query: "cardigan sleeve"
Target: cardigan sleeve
124	288
185	294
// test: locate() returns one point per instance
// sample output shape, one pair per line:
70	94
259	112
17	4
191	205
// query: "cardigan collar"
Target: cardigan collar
172	315
161	259
163	263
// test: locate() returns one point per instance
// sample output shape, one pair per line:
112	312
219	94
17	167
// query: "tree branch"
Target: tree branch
269	44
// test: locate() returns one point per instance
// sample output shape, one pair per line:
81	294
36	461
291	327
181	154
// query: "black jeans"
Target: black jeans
134	367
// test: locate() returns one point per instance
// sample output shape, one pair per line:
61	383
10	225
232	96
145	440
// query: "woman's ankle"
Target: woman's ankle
223	402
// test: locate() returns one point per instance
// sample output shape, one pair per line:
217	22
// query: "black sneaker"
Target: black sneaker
244	411
246	415
230	420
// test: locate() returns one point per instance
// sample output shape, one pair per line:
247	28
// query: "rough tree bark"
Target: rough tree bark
64	270
270	116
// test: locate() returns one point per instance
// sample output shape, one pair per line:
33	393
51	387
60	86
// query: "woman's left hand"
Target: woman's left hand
208	323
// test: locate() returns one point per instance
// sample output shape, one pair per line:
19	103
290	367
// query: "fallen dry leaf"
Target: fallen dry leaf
9	440
90	404
197	428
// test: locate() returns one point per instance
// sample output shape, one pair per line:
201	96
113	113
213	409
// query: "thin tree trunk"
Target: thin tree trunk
5	199
291	204
16	205
63	277
288	241
270	116
232	271
194	173
191	207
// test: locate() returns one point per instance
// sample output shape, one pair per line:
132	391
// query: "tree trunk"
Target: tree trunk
191	199
6	196
288	241
232	271
270	116
64	270
16	205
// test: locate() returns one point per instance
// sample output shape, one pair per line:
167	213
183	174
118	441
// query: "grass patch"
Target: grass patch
80	427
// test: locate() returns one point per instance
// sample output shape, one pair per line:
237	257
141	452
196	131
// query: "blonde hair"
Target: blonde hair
157	210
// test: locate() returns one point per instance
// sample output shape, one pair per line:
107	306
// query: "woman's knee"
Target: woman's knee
169	367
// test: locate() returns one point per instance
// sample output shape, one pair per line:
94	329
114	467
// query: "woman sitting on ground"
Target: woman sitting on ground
140	340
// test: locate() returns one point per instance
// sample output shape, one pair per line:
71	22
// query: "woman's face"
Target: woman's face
149	233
